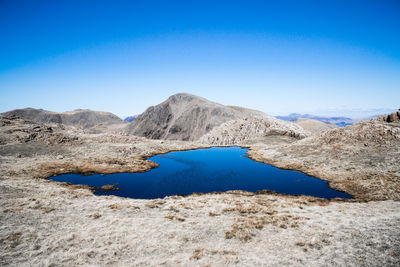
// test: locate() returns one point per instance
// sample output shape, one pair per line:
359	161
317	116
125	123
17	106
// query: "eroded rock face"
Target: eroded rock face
153	123
188	117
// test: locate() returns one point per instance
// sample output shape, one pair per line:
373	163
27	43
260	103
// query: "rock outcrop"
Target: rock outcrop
393	117
248	130
365	133
17	131
188	117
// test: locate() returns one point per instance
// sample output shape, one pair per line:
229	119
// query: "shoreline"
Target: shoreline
247	148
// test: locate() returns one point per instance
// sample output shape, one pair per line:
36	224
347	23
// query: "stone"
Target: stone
108	187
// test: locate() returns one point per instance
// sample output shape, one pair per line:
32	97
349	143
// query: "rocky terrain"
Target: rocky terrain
50	223
250	130
361	159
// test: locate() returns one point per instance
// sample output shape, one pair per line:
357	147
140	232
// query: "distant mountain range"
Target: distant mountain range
339	121
131	118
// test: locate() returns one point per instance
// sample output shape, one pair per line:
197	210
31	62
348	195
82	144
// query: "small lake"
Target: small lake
205	170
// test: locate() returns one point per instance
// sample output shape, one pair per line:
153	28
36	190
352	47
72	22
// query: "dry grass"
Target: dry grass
185	206
157	203
47	209
250	208
200	252
254	216
180	219
115	206
197	254
96	215
244	228
173	217
173	208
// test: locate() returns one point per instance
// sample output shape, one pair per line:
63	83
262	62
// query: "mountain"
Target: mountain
339	121
189	117
131	118
35	115
314	126
81	118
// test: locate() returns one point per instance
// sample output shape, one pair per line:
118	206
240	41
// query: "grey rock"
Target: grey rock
393	117
188	117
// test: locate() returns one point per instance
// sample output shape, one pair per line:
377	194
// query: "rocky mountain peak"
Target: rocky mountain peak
188	117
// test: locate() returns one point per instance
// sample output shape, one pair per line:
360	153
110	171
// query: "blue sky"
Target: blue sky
321	57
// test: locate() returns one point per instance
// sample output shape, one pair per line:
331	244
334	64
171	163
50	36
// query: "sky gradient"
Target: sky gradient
320	57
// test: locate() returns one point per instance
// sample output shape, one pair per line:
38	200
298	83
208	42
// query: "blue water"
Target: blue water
205	170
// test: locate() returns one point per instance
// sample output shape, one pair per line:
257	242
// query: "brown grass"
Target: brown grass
115	206
200	252
244	228
173	217
173	208
197	254
92	166
96	215
155	203
185	206
180	219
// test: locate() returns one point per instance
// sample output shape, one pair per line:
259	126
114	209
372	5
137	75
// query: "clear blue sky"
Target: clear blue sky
322	57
